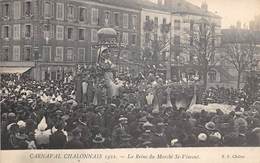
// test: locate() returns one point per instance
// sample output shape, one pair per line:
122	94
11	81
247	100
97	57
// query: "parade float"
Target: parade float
96	83
99	83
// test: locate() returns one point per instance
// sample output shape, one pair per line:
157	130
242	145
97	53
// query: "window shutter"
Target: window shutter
23	31
66	33
78	13
74	13
52	31
51	9
15	32
74	37
32	29
2	32
87	16
1	10
23	11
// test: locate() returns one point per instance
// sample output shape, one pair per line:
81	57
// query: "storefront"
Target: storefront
53	72
17	69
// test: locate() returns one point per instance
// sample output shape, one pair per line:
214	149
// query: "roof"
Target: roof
233	35
120	3
149	5
188	8
176	6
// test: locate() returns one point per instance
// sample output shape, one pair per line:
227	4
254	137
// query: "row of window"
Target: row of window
70	33
27	9
28	54
73	13
27	31
80	13
177	23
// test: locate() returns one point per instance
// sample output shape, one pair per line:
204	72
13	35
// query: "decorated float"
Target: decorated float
99	83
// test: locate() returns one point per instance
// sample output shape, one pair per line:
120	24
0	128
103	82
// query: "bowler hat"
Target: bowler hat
210	126
98	139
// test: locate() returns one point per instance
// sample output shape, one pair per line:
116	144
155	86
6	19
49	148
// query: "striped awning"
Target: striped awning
14	70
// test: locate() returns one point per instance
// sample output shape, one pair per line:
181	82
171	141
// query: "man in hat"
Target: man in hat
75	142
125	141
202	140
4	134
58	139
144	137
120	129
158	137
214	135
239	122
98	142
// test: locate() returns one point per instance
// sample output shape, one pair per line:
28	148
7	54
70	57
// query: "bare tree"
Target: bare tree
202	46
156	45
240	51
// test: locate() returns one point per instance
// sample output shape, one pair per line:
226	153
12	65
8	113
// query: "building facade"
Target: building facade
188	20
155	34
54	36
250	41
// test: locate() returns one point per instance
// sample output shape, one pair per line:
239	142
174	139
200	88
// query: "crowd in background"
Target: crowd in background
46	115
224	95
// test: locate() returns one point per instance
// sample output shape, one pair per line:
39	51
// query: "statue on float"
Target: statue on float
100	81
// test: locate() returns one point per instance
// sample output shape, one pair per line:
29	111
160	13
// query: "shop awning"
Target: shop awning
14	70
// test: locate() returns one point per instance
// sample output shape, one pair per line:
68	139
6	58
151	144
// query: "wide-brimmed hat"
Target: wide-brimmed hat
143	119
210	126
113	105
122	118
11	115
147	143
98	139
126	137
149	116
147	124
217	135
174	141
238	113
160	124
202	137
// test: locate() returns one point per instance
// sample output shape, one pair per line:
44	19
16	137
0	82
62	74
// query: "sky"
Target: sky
232	11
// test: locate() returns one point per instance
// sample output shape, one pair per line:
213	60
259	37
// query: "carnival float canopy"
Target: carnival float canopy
109	38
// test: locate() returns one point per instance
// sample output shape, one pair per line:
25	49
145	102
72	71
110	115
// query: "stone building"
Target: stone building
49	38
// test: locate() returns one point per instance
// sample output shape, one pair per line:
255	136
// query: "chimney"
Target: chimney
204	6
238	25
168	2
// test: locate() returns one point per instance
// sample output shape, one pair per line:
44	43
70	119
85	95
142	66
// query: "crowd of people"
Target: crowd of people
46	115
224	95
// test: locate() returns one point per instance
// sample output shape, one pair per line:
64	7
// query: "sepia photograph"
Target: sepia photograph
139	74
